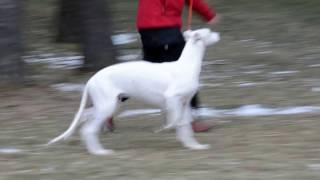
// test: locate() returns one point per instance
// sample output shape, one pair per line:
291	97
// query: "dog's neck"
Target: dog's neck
192	56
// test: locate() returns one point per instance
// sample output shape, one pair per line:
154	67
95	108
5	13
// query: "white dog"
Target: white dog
169	86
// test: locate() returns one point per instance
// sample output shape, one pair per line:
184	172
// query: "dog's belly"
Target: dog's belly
139	80
150	92
151	99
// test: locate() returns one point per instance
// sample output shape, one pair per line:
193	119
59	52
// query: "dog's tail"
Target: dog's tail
75	121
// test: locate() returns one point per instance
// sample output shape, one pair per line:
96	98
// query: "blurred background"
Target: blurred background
260	84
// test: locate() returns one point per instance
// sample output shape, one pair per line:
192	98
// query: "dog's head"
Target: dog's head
205	35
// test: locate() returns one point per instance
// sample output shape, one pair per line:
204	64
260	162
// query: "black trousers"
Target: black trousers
164	45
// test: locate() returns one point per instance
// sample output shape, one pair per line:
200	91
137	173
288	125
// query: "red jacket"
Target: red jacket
167	13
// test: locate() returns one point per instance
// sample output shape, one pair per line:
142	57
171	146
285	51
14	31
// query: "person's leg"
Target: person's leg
152	54
162	44
195	101
173	51
153	47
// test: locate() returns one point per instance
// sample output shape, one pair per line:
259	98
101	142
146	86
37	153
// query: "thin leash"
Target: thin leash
190	14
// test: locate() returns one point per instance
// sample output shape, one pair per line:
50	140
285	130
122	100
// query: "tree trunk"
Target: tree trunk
98	49
69	22
11	64
88	23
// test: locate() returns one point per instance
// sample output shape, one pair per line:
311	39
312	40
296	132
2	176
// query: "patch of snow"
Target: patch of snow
124	38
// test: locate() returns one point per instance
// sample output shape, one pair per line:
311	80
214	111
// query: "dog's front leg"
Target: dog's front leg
185	132
174	107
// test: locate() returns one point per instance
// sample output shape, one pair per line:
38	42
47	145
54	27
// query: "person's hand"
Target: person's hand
214	20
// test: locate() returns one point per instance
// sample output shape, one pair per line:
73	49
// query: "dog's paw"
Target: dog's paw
199	146
102	152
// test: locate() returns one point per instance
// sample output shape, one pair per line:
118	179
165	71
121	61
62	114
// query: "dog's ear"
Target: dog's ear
197	37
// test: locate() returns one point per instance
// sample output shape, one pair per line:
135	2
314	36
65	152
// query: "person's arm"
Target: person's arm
203	9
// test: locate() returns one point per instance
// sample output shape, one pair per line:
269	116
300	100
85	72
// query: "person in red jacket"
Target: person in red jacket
159	23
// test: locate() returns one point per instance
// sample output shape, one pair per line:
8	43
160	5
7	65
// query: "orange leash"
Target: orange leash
190	15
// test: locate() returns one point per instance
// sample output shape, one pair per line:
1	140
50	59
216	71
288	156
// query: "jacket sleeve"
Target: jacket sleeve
203	9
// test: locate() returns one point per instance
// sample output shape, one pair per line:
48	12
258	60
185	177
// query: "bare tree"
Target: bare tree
88	23
11	64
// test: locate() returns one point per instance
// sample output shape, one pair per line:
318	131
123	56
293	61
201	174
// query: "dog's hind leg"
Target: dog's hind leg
110	125
104	107
185	132
90	131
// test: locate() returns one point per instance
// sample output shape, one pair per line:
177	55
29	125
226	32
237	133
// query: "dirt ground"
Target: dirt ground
269	54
